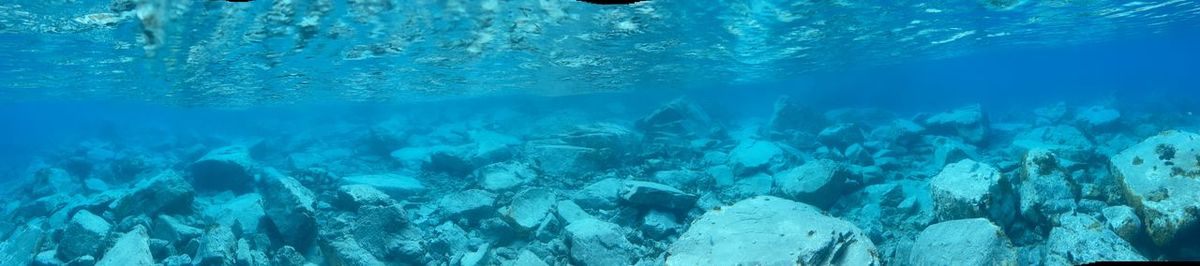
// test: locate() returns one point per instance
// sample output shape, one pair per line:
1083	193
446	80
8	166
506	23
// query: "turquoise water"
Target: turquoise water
556	132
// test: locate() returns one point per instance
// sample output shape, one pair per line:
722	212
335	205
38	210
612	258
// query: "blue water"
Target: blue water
363	85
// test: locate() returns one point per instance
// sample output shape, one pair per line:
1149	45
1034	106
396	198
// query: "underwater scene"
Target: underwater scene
595	133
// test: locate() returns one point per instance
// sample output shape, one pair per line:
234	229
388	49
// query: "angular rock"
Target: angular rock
526	258
289	206
51	181
225	168
680	178
1123	221
1160	178
604	194
21	246
569	212
1082	239
178	260
245	210
968	122
165	193
771	231
1066	141
595	242
504	176
948	151
132	249
660	224
818	183
47	258
790	119
1097	116
560	160
378	229
964	190
217	247
841	135
346	251
530	208
395	185
963	242
679	118
351	197
755	155
1046	192
288	256
656	195
86	235
470	203
755	185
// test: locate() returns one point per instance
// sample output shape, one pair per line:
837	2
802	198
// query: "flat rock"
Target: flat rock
963	242
395	185
530	208
1161	179
841	135
1082	239
246	209
165	193
21	246
504	176
87	233
1097	116
767	230
1066	141
170	229
964	190
595	242
755	155
968	122
346	251
217	247
660	224
131	249
604	194
289	206
468	203
351	197
818	183
225	168
656	195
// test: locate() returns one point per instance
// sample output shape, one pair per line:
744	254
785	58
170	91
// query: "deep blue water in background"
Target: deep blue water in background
1158	72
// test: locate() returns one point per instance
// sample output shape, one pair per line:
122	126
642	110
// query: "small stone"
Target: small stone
656	195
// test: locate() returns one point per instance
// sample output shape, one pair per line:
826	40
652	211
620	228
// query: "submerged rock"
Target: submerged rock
21	245
530	208
86	235
603	194
395	185
217	247
841	135
964	190
656	195
226	168
963	242
1066	141
1123	221
968	122
791	120
678	118
751	156
351	197
165	193
1082	239
132	249
595	242
1160	178
818	183
470	203
1046	192
504	176
771	231
289	206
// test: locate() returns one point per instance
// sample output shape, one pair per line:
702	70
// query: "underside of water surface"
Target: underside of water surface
559	132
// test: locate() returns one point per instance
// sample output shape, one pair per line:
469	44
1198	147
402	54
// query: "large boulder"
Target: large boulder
791	120
968	122
1046	191
87	233
1097	116
290	207
962	242
226	168
767	230
21	246
132	249
678	118
841	135
595	242
818	183
165	193
964	190
656	195
1082	239
1160	178
396	185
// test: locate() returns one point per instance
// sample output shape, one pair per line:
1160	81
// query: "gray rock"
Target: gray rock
1161	179
1065	141
1097	116
595	242
526	258
165	193
968	122
178	260
288	256
771	231
569	212
86	235
217	247
395	185
680	117
347	252
476	257
248	257
86	260
47	258
752	156
21	246
559	160
245	210
656	195
1046	192
52	181
948	151
722	175
604	194
790	118
964	190
1082	239
504	176
378	229
469	203
818	183
754	185
131	249
168	228
841	135
963	242
449	239
530	208
660	224
680	178
289	206
351	197
225	168
1123	221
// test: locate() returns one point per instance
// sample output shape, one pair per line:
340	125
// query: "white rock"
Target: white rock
964	190
1161	179
132	249
963	242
